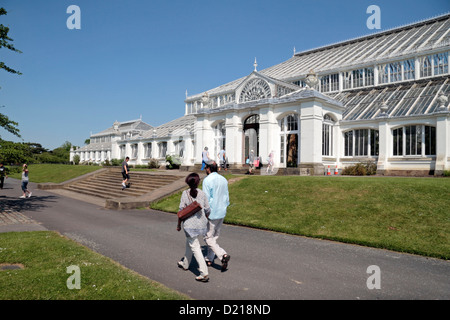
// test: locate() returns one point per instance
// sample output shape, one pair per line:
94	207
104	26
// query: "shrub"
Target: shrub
76	159
361	169
117	162
173	162
153	163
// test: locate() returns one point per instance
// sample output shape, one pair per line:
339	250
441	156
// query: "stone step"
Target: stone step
108	185
135	179
133	191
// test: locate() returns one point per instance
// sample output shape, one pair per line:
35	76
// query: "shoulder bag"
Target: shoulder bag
189	210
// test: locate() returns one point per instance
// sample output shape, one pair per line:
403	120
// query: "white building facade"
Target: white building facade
381	98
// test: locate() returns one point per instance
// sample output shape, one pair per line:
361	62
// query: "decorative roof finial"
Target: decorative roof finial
255	65
295	51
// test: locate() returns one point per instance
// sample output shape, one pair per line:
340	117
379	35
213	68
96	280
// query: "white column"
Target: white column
140	152
416	68
233	146
311	134
385	145
442	143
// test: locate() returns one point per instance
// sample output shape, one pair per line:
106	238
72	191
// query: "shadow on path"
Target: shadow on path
34	203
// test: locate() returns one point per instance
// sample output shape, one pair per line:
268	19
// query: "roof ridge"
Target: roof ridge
375	34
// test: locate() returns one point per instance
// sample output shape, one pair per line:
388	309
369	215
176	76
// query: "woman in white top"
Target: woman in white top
194	226
26	193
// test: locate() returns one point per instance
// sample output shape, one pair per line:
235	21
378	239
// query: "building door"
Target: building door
251	136
289	142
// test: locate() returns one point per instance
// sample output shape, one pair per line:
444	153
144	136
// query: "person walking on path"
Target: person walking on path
205	157
251	162
222	159
194	226
270	162
216	189
26	193
3	175
125	173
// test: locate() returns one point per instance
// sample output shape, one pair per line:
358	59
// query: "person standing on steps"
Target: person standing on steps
216	189
205	157
125	173
222	159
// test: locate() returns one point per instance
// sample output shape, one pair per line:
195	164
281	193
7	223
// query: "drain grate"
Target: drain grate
11	267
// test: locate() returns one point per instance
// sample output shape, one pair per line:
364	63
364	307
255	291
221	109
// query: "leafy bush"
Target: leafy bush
153	164
361	169
76	159
172	162
117	162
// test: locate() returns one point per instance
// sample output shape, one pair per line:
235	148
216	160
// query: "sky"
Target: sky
137	58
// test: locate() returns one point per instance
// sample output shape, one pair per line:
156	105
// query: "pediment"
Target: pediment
257	87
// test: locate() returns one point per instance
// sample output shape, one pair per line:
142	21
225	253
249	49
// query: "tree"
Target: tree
5	42
15	152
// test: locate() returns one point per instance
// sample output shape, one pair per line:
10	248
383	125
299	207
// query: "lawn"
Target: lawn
45	257
56	173
402	214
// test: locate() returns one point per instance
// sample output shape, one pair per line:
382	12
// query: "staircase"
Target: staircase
108	184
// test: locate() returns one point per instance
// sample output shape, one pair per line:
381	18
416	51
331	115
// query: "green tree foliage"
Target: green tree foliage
5	42
15	153
18	153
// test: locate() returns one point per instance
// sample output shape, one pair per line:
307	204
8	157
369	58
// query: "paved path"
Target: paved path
264	265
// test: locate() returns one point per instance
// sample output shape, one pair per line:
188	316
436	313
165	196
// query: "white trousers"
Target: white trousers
211	240
193	249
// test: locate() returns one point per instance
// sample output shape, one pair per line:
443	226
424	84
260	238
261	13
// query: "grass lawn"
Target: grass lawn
402	214
57	173
45	257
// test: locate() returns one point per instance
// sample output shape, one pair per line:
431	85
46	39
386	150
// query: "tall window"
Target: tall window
426	67
361	142
434	65
219	137
416	140
440	62
148	150
134	151
358	78
408	69
162	149
289	141
329	82
327	136
179	148
122	151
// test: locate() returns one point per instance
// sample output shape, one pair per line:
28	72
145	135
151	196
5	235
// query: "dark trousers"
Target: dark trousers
2	179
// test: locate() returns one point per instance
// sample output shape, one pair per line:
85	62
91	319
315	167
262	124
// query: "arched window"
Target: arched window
251	135
327	135
255	89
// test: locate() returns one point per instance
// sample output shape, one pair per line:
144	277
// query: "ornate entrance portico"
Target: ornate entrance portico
289	125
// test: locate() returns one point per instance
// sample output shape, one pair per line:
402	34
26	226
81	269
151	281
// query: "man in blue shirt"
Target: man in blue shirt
216	189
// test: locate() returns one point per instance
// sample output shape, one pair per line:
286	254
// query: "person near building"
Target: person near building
194	226
216	189
125	173
3	175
